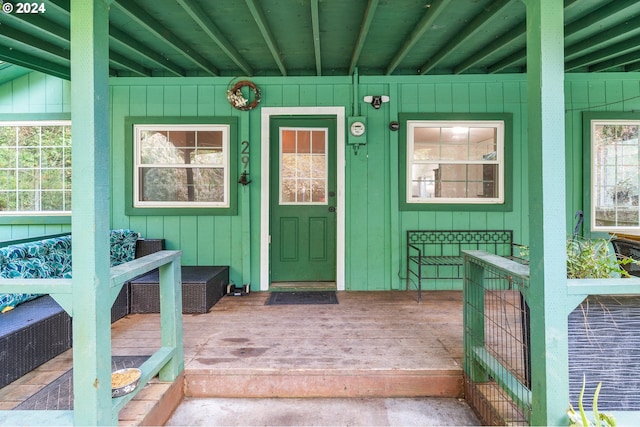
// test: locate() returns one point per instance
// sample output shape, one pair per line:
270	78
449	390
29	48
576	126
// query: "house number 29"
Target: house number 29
244	155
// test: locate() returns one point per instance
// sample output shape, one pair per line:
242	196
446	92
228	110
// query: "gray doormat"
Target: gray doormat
58	396
302	297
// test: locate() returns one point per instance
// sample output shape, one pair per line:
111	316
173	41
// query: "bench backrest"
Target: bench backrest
451	242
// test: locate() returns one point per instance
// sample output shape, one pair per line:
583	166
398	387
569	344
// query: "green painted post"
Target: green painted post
547	219
90	218
473	320
171	318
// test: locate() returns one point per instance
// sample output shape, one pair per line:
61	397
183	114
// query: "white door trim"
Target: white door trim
267	112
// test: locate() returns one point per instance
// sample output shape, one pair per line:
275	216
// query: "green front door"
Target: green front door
303	199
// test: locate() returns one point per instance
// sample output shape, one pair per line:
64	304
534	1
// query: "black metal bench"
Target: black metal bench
436	254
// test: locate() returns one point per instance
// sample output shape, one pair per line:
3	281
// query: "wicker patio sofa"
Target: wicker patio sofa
34	328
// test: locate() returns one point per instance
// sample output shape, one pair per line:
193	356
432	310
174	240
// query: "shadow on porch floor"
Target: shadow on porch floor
370	345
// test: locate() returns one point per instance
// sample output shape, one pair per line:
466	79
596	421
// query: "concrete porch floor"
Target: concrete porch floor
370	347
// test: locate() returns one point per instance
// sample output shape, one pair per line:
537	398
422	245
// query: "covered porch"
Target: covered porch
370	344
425	74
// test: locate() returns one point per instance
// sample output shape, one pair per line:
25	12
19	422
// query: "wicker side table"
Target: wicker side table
202	287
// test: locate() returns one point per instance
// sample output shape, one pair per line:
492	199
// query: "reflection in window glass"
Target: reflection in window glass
181	166
303	166
455	161
615	175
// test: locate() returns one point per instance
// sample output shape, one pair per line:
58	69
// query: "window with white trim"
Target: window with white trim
181	165
455	162
615	175
35	167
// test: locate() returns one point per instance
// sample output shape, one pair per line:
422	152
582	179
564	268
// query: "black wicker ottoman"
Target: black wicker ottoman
202	287
31	334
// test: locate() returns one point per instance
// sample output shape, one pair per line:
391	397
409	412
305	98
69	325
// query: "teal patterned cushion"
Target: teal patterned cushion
51	258
35	249
28	269
59	255
8	301
123	246
13	252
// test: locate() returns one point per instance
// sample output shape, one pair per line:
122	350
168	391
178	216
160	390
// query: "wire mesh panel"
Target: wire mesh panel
497	341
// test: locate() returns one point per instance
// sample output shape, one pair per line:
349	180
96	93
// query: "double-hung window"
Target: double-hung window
614	172
35	167
182	166
453	162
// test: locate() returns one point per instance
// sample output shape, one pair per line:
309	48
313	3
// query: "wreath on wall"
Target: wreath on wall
237	99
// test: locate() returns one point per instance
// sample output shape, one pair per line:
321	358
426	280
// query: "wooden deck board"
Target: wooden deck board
370	344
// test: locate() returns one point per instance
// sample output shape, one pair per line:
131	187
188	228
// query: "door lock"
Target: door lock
332	208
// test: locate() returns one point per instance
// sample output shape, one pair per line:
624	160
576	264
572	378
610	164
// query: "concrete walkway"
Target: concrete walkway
323	412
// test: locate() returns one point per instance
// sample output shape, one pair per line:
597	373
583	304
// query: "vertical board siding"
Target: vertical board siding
591	92
375	228
33	93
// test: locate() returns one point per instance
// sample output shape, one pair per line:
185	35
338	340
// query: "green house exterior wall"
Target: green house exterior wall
375	227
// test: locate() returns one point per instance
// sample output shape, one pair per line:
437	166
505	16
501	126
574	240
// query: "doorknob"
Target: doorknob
332	208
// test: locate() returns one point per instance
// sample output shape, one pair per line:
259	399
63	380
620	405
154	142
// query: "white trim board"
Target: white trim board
339	113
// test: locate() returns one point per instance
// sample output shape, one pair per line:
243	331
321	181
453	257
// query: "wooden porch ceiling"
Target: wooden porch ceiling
323	37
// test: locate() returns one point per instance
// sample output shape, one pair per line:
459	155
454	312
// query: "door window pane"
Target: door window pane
303	166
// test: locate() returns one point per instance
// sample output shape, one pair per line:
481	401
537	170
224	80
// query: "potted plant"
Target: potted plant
579	419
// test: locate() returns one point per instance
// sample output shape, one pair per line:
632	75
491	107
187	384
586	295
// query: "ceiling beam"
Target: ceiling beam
569	29
33	42
123	61
598	15
506	62
61	5
569	3
139	15
34	63
201	18
40	24
476	23
315	26
126	41
635	66
369	12
617	61
436	8
508	37
624	28
603	54
261	22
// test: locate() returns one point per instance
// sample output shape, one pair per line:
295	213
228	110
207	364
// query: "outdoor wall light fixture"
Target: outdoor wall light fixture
376	100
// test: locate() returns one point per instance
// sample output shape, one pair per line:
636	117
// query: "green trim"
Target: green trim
26	219
507	206
5	243
233	165
34	117
587	117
